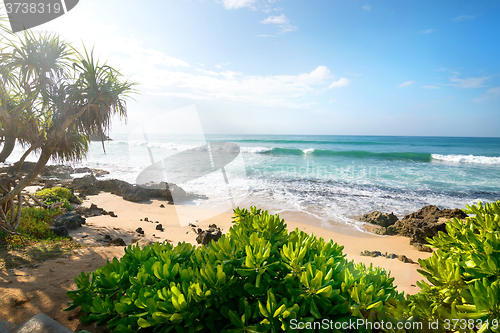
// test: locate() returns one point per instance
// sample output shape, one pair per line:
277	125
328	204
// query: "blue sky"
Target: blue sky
303	67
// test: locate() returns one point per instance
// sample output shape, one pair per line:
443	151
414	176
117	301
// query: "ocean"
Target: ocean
330	179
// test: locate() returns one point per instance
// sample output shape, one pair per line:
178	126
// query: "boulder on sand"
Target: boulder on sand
60	231
117	242
69	220
425	222
205	236
377	218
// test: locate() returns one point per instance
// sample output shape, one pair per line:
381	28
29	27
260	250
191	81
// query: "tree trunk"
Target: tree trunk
10	136
8	145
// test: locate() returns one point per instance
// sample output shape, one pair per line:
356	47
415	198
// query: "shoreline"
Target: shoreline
29	291
130	215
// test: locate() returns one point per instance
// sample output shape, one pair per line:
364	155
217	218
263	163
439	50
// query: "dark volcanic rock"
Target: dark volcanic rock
382	220
89	185
375	254
159	227
421	247
60	231
426	222
82	170
70	220
93	210
139	231
117	242
205	236
86	185
53	171
406	260
58	171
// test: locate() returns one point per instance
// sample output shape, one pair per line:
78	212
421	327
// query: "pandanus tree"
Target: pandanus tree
52	100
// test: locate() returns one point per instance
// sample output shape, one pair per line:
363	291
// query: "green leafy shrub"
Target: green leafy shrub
257	278
58	194
34	226
463	274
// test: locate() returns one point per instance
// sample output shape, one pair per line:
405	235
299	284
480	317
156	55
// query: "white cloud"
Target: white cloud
319	75
275	20
367	7
490	94
286	28
430	87
494	91
331	101
282	21
235	4
428	31
164	75
405	84
472	82
270	91
462	18
342	82
219	66
267	8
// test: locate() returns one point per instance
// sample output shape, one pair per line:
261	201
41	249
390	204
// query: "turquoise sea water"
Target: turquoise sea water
331	178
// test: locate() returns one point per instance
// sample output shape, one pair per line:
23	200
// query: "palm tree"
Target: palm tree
52	99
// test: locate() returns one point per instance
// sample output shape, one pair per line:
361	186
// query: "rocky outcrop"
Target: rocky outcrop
63	223
377	218
94	172
400	257
59	172
70	220
89	185
426	222
117	242
60	231
93	210
205	236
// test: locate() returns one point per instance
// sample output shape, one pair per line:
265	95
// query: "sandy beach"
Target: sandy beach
130	216
29	291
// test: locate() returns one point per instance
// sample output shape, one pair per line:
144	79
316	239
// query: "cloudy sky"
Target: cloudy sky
384	67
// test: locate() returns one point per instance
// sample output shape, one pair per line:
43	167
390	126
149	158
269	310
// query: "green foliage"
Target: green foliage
34	226
58	194
256	278
464	272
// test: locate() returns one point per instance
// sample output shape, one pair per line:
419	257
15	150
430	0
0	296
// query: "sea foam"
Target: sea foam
467	159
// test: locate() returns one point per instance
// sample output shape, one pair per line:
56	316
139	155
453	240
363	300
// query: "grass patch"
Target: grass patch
33	227
35	243
36	252
58	194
